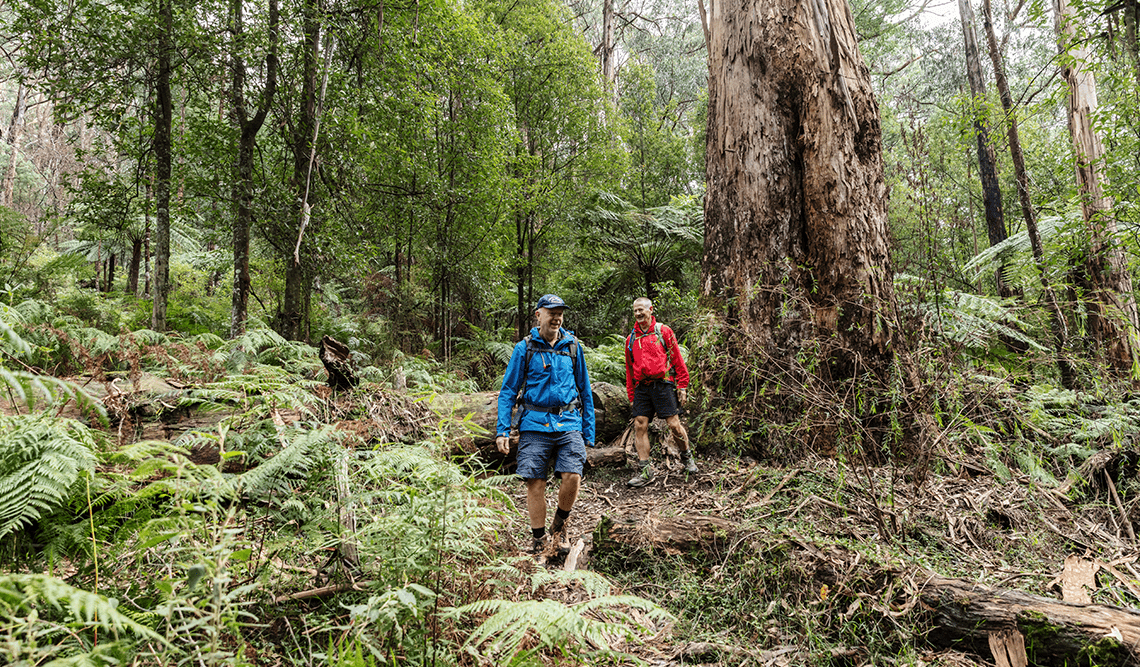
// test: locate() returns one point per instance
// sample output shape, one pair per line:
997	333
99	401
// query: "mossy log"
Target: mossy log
673	535
480	410
1056	633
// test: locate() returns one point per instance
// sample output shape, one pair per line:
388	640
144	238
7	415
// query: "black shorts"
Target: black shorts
657	397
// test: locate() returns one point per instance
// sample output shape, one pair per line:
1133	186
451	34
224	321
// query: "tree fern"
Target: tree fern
973	320
41	458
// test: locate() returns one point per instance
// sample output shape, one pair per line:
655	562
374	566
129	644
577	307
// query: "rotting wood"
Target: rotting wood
678	535
1008	647
337	359
1056	633
346	516
605	456
1078	578
572	557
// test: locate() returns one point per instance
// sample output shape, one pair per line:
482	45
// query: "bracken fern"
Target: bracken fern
41	458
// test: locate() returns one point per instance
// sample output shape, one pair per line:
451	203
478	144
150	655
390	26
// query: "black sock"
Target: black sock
561	514
539	532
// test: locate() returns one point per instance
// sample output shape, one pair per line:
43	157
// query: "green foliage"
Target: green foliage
41	460
44	620
573	630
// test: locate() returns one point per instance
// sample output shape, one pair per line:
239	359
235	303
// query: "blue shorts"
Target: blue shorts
537	449
657	397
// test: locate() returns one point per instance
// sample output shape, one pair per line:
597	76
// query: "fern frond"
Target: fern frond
15	345
30	388
22	593
295	459
40	459
556	625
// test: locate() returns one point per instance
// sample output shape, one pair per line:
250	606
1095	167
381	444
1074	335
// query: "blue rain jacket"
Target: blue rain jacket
550	381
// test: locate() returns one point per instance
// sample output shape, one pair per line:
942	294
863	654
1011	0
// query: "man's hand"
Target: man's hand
682	395
503	444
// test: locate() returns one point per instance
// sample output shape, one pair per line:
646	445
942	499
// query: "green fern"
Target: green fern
296	458
580	630
41	458
33	598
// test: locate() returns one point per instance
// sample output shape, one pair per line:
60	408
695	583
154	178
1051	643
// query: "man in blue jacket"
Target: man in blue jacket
547	390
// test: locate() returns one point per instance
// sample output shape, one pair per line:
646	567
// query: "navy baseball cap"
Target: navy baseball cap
551	301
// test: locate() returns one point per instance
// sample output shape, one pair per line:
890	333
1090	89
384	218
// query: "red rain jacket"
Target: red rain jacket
648	359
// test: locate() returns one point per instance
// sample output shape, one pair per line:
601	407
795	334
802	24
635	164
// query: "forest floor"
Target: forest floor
746	594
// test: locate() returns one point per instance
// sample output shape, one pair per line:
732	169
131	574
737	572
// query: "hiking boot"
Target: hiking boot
643	476
538	548
559	536
688	462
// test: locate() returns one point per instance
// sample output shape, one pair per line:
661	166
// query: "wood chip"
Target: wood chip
1078	578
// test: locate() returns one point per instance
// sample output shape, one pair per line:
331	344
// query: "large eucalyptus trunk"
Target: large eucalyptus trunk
1112	316
796	235
987	162
1058	325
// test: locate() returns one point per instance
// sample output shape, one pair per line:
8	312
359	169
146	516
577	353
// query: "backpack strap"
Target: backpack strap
633	337
521	404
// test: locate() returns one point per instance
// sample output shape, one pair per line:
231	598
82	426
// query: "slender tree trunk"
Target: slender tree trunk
520	275
297	280
608	45
987	163
1058	326
243	168
164	119
796	235
1130	15
15	131
1112	315
133	268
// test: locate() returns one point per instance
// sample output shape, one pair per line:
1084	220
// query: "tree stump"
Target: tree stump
337	359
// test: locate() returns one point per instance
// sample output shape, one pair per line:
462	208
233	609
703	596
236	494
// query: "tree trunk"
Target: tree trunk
987	163
796	235
1058	326
133	269
1112	316
297	282
15	131
164	118
243	168
608	45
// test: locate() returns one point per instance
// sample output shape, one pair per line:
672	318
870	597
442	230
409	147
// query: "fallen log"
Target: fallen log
677	535
1056	633
480	412
968	616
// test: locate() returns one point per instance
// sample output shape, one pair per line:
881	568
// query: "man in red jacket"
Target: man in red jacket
656	380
